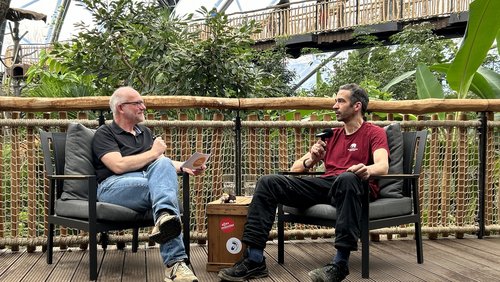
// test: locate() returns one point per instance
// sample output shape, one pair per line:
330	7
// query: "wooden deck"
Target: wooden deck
445	259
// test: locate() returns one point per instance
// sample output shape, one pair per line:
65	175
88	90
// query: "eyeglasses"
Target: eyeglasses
137	103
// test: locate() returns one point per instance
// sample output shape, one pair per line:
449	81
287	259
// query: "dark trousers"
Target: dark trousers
343	191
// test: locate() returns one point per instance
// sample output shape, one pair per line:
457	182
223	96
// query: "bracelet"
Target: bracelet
305	165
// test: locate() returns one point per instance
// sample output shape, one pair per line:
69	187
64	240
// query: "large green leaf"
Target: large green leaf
442	68
482	28
427	84
498	41
486	84
397	80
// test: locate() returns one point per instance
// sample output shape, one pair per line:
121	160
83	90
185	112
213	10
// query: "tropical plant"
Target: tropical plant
465	72
144	46
380	63
54	79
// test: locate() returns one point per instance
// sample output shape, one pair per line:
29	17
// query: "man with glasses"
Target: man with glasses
133	172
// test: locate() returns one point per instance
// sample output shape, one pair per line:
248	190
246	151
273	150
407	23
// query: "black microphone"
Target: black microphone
326	133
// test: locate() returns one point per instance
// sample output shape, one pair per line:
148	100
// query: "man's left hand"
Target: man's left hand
360	170
195	172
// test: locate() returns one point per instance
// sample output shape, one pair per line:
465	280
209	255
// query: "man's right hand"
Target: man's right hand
318	151
159	146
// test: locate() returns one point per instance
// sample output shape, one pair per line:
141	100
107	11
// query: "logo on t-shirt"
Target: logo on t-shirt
353	147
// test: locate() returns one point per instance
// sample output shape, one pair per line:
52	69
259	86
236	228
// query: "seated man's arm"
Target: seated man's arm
316	154
120	164
380	165
298	165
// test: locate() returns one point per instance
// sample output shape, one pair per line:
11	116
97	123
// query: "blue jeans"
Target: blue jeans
156	188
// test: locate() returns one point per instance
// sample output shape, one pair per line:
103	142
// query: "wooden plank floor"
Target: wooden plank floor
445	259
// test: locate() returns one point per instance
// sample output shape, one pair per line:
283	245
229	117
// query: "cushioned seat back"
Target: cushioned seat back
393	188
78	160
53	146
69	153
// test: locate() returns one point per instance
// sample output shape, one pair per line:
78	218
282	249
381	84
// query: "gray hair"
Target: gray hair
117	98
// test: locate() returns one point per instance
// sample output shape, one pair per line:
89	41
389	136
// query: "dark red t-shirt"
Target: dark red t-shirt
344	151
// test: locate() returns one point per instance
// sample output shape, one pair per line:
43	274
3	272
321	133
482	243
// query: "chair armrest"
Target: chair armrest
89	178
70	177
92	191
395	176
301	173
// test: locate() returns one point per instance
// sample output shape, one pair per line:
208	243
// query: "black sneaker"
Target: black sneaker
329	273
243	270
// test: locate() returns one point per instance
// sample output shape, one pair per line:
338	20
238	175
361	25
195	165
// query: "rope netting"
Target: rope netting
449	193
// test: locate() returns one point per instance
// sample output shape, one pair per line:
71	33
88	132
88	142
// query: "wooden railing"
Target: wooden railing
328	16
455	189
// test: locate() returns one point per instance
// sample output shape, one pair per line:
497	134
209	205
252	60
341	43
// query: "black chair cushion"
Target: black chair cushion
393	188
105	211
378	209
78	160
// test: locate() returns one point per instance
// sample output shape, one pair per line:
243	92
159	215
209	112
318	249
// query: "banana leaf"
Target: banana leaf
482	28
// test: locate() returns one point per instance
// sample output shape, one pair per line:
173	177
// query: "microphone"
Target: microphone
326	133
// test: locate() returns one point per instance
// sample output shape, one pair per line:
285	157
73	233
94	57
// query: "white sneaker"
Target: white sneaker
179	272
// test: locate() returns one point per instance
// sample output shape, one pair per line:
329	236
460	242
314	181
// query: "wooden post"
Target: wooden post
491	170
299	148
46	116
421	179
2	208
252	147
447	172
183	139
462	176
63	230
312	133
31	183
217	157
433	181
267	147
283	147
198	183
167	138
15	182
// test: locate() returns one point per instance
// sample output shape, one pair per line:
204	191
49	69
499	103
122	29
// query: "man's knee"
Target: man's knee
265	182
348	182
163	163
348	177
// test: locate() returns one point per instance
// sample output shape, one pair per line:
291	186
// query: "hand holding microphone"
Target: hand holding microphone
326	133
318	150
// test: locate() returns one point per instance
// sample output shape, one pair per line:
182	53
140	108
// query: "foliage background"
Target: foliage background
143	46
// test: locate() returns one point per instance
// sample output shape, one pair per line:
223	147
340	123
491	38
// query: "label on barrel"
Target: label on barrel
233	245
227	224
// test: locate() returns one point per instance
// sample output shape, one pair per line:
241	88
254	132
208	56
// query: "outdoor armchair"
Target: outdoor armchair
73	194
398	203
